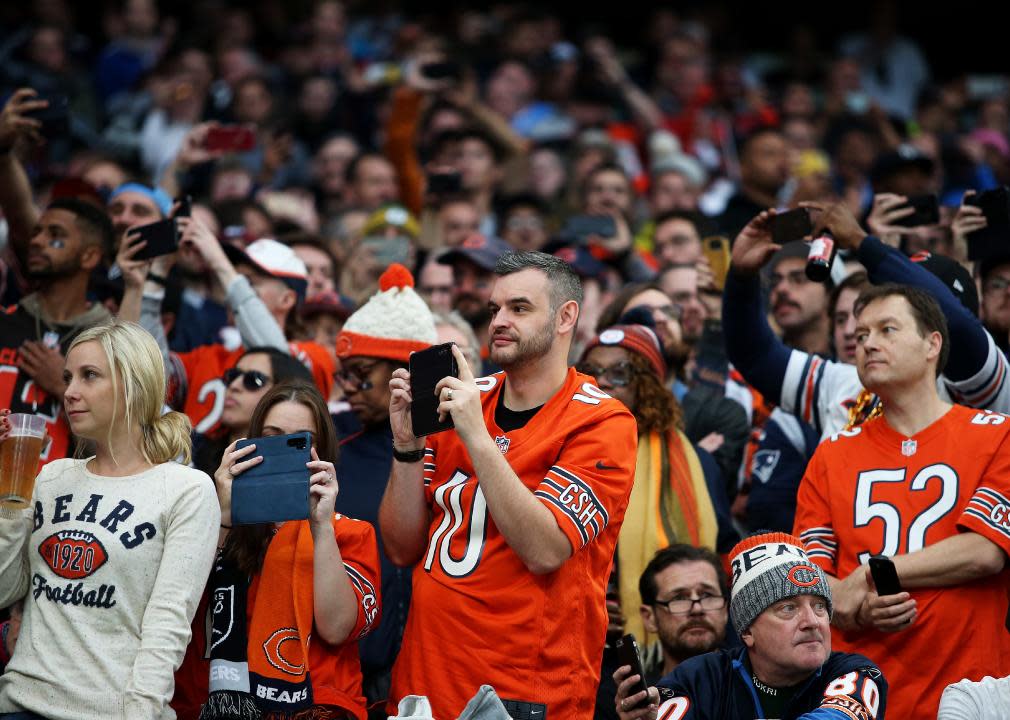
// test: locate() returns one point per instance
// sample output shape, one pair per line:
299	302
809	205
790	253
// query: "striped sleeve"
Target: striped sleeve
360	553
801	387
989	388
819	392
988	514
590	481
580	513
429	468
820	542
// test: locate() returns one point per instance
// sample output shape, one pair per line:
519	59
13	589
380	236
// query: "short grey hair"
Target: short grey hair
564	283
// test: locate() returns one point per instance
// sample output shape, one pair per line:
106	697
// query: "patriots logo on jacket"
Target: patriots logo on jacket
764	464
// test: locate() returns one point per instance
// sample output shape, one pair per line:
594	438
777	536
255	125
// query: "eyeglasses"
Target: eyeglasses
794	277
682	606
252	380
524	223
618	375
672	311
996	284
435	289
356	378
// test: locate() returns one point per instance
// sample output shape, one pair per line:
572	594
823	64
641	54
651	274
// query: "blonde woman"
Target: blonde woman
114	554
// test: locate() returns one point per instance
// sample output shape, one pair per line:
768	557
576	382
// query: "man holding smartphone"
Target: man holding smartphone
926	483
780	605
512	517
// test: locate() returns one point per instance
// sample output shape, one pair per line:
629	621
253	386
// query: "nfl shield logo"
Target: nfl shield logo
908	448
503	443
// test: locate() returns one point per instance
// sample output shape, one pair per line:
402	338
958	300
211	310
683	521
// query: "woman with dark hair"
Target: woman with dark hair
670	500
276	585
256	371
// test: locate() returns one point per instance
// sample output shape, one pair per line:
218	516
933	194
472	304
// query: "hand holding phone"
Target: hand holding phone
427	368
990	240
55	117
885	576
925	211
791	225
716	251
277	488
628	654
162	238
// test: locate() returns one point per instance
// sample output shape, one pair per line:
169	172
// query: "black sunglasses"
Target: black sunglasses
252	380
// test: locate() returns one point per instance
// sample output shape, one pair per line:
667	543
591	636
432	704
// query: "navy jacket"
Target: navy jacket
718	686
363	465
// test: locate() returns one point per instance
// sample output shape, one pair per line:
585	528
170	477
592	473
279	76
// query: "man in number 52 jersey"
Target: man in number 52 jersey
927	484
512	517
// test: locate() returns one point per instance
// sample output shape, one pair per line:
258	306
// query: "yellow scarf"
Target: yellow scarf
669	504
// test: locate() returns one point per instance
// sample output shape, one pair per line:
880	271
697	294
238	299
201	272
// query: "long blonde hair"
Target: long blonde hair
136	365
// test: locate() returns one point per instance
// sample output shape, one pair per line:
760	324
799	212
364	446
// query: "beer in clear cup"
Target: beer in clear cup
19	459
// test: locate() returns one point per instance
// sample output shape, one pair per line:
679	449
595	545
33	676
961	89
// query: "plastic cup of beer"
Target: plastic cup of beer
19	459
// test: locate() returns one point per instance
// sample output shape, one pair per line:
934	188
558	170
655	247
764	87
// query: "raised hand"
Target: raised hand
134	271
232	465
887	209
323	489
625	698
754	245
968	219
460	398
399	411
15	123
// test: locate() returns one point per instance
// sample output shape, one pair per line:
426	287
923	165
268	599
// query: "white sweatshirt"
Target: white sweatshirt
111	569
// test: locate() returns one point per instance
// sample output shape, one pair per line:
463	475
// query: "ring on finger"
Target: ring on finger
448	394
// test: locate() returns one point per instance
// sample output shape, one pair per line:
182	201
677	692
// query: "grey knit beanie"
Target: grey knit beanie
767	568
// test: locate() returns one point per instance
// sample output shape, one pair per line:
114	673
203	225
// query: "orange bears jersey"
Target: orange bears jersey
872	491
335	669
478	615
199	389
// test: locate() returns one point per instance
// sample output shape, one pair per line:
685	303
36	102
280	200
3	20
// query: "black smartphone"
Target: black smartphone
276	489
582	227
446	70
162	239
995	206
628	654
445	183
927	211
885	577
427	368
55	119
185	206
791	225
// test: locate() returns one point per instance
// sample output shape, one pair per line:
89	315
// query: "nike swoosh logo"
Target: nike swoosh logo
601	466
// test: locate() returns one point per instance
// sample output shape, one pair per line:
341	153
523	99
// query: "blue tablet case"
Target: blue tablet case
276	489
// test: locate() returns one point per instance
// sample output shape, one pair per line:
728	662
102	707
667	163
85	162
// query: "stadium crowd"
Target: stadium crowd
730	337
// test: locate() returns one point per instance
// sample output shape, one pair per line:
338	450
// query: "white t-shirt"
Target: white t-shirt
111	570
987	699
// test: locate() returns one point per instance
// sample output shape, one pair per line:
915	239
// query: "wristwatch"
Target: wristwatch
408	456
